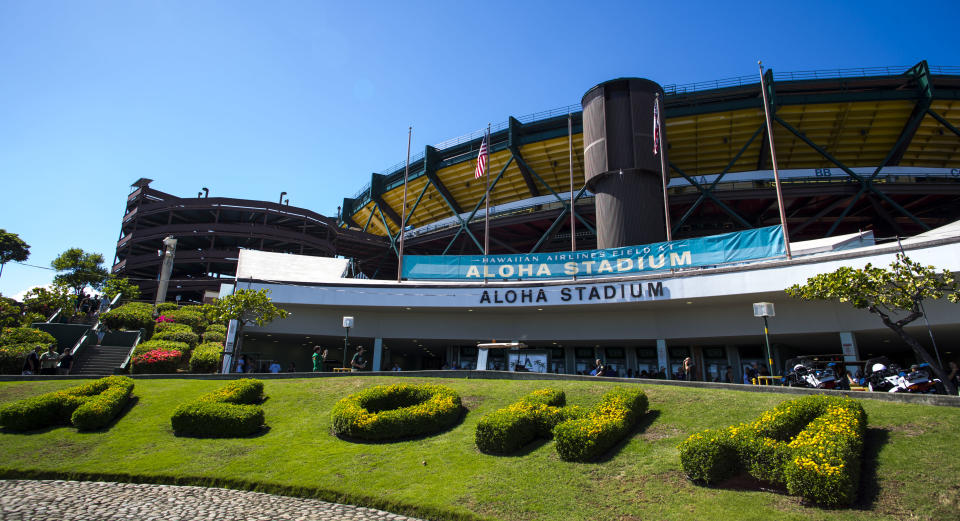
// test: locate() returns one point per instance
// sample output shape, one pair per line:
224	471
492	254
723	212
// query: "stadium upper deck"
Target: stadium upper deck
858	149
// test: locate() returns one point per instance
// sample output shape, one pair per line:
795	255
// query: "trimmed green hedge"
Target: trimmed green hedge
217	328
812	445
130	316
206	358
214	336
187	336
589	437
87	407
26	335
386	412
535	415
170	326
13	356
189	316
164	307
228	412
16	343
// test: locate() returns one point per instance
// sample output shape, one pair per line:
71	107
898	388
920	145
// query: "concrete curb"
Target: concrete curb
923	399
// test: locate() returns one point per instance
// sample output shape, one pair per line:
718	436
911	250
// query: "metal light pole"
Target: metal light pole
347	324
765	309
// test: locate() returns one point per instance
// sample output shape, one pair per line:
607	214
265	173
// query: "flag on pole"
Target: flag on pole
481	160
656	125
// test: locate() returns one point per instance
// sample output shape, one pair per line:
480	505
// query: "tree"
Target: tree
247	306
46	301
83	269
886	293
12	248
121	286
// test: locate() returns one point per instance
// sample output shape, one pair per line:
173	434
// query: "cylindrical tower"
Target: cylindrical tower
620	166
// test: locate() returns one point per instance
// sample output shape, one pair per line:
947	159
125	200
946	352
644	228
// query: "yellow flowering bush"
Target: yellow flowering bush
811	445
87	407
533	416
385	412
231	411
592	434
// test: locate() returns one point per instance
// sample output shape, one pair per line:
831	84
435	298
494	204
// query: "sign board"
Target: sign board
746	245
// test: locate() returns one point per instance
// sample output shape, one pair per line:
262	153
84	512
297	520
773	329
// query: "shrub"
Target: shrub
13	356
26	335
169	326
156	361
87	407
163	307
217	328
812	445
214	336
225	413
206	358
386	412
178	335
589	437
190	317
150	345
130	316
507	430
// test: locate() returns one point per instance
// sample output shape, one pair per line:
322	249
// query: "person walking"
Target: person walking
66	362
319	357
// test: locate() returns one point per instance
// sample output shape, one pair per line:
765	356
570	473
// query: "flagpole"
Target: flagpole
486	212
403	211
773	158
663	170
573	223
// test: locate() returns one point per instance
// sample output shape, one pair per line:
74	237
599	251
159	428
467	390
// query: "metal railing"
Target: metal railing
674	89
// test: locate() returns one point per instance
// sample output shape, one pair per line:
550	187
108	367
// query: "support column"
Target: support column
851	353
662	359
570	360
733	359
631	360
377	354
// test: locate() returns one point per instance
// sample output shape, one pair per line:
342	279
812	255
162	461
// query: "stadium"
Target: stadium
858	149
869	164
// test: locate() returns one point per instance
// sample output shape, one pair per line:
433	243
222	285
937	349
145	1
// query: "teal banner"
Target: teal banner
758	243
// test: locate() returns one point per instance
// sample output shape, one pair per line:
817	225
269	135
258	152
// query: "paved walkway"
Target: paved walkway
86	500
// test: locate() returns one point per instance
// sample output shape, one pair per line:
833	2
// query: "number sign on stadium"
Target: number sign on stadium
741	246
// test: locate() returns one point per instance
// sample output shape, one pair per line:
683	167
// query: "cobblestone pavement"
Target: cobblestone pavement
22	500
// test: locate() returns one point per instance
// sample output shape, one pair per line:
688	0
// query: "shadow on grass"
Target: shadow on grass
445	430
869	488
645	421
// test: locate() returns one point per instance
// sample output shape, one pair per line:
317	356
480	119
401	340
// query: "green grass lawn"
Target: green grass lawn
911	469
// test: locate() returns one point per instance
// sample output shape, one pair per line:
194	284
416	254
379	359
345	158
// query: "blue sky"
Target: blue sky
254	98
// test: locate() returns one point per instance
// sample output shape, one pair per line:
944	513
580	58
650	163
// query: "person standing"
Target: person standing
66	362
32	364
688	367
319	357
48	361
358	362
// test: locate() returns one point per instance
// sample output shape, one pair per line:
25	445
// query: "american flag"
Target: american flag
481	160
656	125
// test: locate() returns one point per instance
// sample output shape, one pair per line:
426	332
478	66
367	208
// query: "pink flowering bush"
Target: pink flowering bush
156	361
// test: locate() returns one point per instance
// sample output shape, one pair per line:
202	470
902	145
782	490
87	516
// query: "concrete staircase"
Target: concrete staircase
100	360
